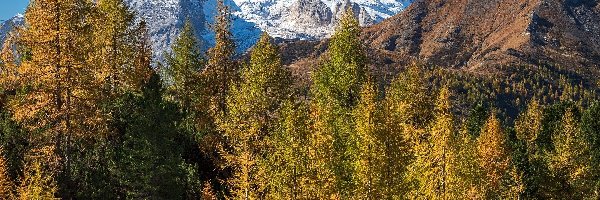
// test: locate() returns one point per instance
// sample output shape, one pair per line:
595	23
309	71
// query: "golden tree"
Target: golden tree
336	89
221	69
371	148
6	184
529	124
252	115
432	167
571	159
57	95
500	179
115	37
38	181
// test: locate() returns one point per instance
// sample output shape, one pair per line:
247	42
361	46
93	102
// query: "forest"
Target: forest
86	113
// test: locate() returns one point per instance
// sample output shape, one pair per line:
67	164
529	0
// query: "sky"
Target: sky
9	8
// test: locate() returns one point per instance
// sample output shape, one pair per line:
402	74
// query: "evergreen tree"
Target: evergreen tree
571	160
432	167
252	115
184	67
148	162
527	127
476	120
13	141
591	128
336	90
500	179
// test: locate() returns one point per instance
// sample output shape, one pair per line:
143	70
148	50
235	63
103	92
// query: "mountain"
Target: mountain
476	35
8	25
310	19
285	19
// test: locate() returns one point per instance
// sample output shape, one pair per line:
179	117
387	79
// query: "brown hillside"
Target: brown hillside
478	34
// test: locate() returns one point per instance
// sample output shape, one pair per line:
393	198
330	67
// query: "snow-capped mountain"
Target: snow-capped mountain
309	19
287	19
8	25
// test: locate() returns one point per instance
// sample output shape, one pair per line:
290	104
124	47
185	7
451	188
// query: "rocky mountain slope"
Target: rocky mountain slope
479	34
286	19
8	25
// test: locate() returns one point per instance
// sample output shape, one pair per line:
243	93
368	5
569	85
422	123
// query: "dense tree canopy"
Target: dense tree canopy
86	114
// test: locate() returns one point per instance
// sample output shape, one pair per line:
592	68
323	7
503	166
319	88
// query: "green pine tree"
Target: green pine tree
148	163
185	64
251	118
336	91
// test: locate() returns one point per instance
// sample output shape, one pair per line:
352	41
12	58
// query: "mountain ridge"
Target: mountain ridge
284	19
475	35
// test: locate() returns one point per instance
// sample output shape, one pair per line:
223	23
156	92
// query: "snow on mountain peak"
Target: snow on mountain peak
287	19
309	19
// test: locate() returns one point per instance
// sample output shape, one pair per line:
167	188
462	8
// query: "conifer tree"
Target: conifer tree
467	177
500	179
221	69
411	98
57	94
288	162
38	180
148	162
114	34
571	160
371	148
432	167
217	77
184	67
336	89
251	117
529	124
6	184
591	128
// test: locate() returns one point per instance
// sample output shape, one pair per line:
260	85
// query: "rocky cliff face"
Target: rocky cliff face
310	19
165	19
478	34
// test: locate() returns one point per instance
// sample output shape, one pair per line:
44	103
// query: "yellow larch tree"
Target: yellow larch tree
56	92
434	154
371	149
500	179
38	181
529	124
6	184
252	107
115	36
571	159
